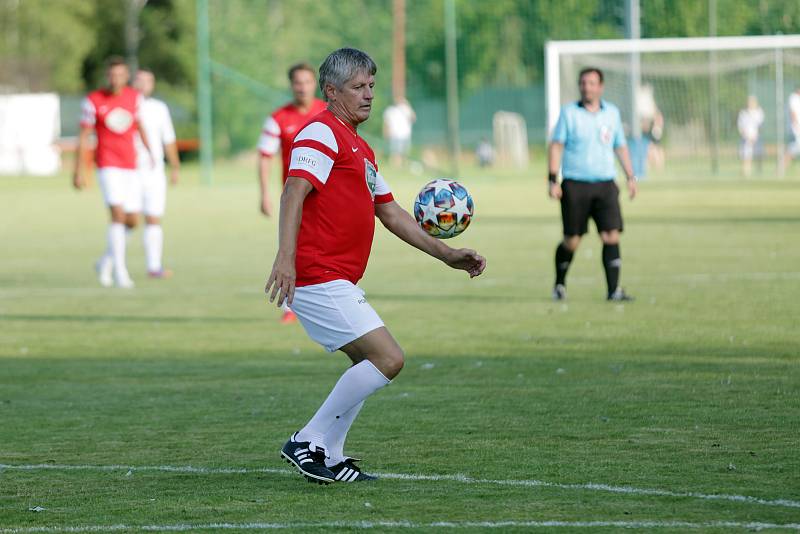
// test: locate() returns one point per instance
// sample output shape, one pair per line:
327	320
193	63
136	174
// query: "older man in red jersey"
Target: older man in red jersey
327	221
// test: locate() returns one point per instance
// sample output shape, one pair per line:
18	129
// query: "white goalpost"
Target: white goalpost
696	85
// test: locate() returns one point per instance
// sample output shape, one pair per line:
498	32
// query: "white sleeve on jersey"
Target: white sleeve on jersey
167	129
88	113
138	109
308	159
794	105
270	141
381	187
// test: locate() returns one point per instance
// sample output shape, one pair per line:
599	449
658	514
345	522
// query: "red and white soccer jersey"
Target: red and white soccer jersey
338	223
281	127
113	116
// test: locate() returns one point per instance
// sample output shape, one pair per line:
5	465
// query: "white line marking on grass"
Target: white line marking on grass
464	479
162	468
183	527
600	487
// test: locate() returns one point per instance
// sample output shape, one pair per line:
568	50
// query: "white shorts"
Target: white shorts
334	313
120	187
794	146
153	185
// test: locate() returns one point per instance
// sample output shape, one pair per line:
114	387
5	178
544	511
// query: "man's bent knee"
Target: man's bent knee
131	220
610	237
117	214
571	242
393	363
380	348
389	361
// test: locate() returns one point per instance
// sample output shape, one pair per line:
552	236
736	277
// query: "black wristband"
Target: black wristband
552	177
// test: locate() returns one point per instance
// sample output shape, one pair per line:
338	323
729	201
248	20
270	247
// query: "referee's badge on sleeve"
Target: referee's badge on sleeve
605	135
371	175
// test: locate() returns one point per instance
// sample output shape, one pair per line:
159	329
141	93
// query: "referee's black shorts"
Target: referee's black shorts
581	200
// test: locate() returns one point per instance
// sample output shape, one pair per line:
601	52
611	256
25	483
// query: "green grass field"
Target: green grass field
165	407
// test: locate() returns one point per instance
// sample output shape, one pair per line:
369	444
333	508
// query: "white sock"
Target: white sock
355	385
116	244
335	437
107	257
153	238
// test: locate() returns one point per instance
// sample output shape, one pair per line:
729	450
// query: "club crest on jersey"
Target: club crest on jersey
118	120
371	175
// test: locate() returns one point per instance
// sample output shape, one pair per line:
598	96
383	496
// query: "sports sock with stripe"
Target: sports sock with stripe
612	263
563	260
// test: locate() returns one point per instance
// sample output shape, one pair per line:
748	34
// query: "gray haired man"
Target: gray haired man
327	220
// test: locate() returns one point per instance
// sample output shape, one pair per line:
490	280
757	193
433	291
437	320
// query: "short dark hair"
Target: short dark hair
300	66
589	70
114	61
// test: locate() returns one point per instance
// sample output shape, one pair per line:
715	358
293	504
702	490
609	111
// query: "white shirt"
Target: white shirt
749	122
157	124
398	119
794	107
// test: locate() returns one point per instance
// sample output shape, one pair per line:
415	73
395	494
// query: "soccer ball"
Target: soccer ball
443	208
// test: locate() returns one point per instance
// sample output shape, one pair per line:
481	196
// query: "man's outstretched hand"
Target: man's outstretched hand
466	260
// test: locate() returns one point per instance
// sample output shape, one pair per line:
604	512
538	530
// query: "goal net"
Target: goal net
681	99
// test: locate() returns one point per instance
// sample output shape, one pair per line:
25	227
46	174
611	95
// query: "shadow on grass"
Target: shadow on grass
126	319
644	219
452	297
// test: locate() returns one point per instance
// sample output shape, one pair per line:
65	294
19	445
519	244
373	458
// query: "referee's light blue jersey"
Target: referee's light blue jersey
589	141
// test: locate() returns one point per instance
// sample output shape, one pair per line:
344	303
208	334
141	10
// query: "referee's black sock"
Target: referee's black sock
563	259
612	264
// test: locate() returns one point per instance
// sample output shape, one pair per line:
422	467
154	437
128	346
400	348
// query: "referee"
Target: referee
585	139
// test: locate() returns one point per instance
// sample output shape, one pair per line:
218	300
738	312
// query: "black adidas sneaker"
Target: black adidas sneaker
348	471
311	464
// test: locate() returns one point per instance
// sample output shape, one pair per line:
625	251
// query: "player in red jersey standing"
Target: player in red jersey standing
327	221
113	113
279	131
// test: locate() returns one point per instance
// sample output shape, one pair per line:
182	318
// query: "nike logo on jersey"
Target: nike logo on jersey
355	149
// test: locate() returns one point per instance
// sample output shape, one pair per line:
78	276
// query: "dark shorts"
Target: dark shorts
582	200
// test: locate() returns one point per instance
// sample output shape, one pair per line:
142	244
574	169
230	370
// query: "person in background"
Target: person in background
585	140
157	123
749	124
112	112
278	133
485	153
398	123
794	126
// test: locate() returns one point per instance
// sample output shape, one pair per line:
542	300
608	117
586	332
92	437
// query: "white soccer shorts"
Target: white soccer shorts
153	191
334	313
120	187
794	146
